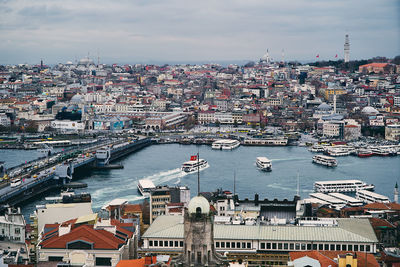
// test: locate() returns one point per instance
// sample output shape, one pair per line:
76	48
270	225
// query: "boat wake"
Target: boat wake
166	176
279	186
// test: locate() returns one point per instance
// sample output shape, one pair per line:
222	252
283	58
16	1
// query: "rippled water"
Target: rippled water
161	163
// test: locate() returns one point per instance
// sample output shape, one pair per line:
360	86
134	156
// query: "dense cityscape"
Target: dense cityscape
199	133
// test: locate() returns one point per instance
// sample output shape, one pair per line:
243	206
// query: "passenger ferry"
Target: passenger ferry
371	197
364	153
339	151
264	164
317	148
325	160
194	165
225	144
341	186
144	187
266	142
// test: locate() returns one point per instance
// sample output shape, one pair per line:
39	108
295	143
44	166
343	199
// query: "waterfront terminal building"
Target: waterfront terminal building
264	244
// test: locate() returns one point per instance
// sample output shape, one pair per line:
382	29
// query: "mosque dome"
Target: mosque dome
85	61
199	202
324	106
76	99
369	110
69	63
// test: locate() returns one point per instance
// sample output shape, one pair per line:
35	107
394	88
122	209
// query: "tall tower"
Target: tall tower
346	49
396	194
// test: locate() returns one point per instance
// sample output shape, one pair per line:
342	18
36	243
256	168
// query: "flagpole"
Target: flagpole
198	174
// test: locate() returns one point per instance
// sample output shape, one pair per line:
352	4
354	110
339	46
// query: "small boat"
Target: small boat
264	164
225	144
364	153
194	165
325	160
144	187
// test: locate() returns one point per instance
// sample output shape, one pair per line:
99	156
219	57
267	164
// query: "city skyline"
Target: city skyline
176	31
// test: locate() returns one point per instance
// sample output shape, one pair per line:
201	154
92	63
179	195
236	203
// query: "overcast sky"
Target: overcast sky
146	31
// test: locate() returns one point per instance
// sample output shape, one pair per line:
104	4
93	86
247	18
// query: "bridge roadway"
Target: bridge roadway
53	175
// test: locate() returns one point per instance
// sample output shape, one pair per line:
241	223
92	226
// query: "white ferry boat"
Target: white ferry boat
144	187
339	151
341	186
325	160
317	148
225	144
371	197
194	165
264	164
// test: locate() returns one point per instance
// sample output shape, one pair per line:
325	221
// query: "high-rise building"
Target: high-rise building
346	49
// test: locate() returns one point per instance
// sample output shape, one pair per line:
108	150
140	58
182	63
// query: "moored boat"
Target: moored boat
364	153
144	187
225	144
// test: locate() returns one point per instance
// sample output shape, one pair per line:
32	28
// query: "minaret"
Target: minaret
396	194
346	49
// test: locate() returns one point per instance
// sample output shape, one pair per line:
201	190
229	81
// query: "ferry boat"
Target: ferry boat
325	160
338	151
371	197
341	186
264	164
266	142
144	187
194	165
225	144
317	148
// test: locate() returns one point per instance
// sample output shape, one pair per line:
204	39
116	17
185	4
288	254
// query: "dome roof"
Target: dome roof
199	202
369	110
85	61
76	99
324	106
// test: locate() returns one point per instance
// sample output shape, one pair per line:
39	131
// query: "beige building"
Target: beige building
392	132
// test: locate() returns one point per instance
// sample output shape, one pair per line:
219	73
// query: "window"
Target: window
326	247
103	261
332	247
350	247
155	243
55	258
273	245
262	245
344	247
361	247
176	243
228	244
303	246
297	246
337	247
233	245
368	248
279	245
150	243
268	245
237	244
314	246
17	231
160	243
308	246
217	244
171	243
291	246
321	247
222	244
181	244
243	245
248	245
355	247
285	246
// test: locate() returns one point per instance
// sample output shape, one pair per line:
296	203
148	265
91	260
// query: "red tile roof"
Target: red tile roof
326	258
101	239
383	206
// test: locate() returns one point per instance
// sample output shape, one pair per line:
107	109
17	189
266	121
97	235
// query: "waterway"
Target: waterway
161	164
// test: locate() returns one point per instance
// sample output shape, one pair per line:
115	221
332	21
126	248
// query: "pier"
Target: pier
31	179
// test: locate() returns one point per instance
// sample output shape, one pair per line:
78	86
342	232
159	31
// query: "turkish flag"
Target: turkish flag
193	157
336	55
318	55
